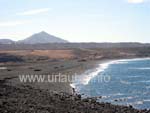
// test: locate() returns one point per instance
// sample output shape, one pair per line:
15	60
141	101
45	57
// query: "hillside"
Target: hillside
41	38
6	41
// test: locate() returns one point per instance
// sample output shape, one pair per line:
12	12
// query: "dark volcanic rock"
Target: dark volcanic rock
25	99
10	58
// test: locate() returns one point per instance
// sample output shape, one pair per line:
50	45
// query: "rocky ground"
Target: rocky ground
26	99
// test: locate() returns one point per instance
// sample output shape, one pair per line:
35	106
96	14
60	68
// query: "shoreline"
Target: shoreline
38	99
91	73
101	66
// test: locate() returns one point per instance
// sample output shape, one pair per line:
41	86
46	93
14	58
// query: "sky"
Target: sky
77	20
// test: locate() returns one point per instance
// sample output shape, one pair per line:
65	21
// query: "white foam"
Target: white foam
117	94
121	62
105	97
143	81
129	97
138	103
135	59
143	68
72	85
89	74
124	99
148	100
125	82
135	103
133	76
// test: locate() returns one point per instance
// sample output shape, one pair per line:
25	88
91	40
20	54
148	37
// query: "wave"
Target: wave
138	103
125	82
148	100
133	76
135	103
123	99
142	81
89	74
135	59
129	97
120	62
116	94
142	68
104	97
72	85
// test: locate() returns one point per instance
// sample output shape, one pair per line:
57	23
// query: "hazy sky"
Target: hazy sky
77	20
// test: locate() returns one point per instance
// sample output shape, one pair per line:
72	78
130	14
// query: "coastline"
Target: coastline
101	66
87	75
42	100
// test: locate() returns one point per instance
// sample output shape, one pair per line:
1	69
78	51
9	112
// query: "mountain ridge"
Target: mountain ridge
37	38
6	41
41	38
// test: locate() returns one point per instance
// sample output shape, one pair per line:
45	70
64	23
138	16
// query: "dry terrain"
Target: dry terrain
18	97
52	54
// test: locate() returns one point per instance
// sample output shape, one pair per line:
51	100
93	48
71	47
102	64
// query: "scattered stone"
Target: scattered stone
37	70
9	70
26	99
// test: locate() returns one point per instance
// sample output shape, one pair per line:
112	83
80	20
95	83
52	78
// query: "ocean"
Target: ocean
120	82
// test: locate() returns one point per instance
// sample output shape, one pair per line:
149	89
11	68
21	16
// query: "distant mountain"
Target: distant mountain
41	38
6	41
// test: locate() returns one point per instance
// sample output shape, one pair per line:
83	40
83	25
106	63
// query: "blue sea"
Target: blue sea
121	82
